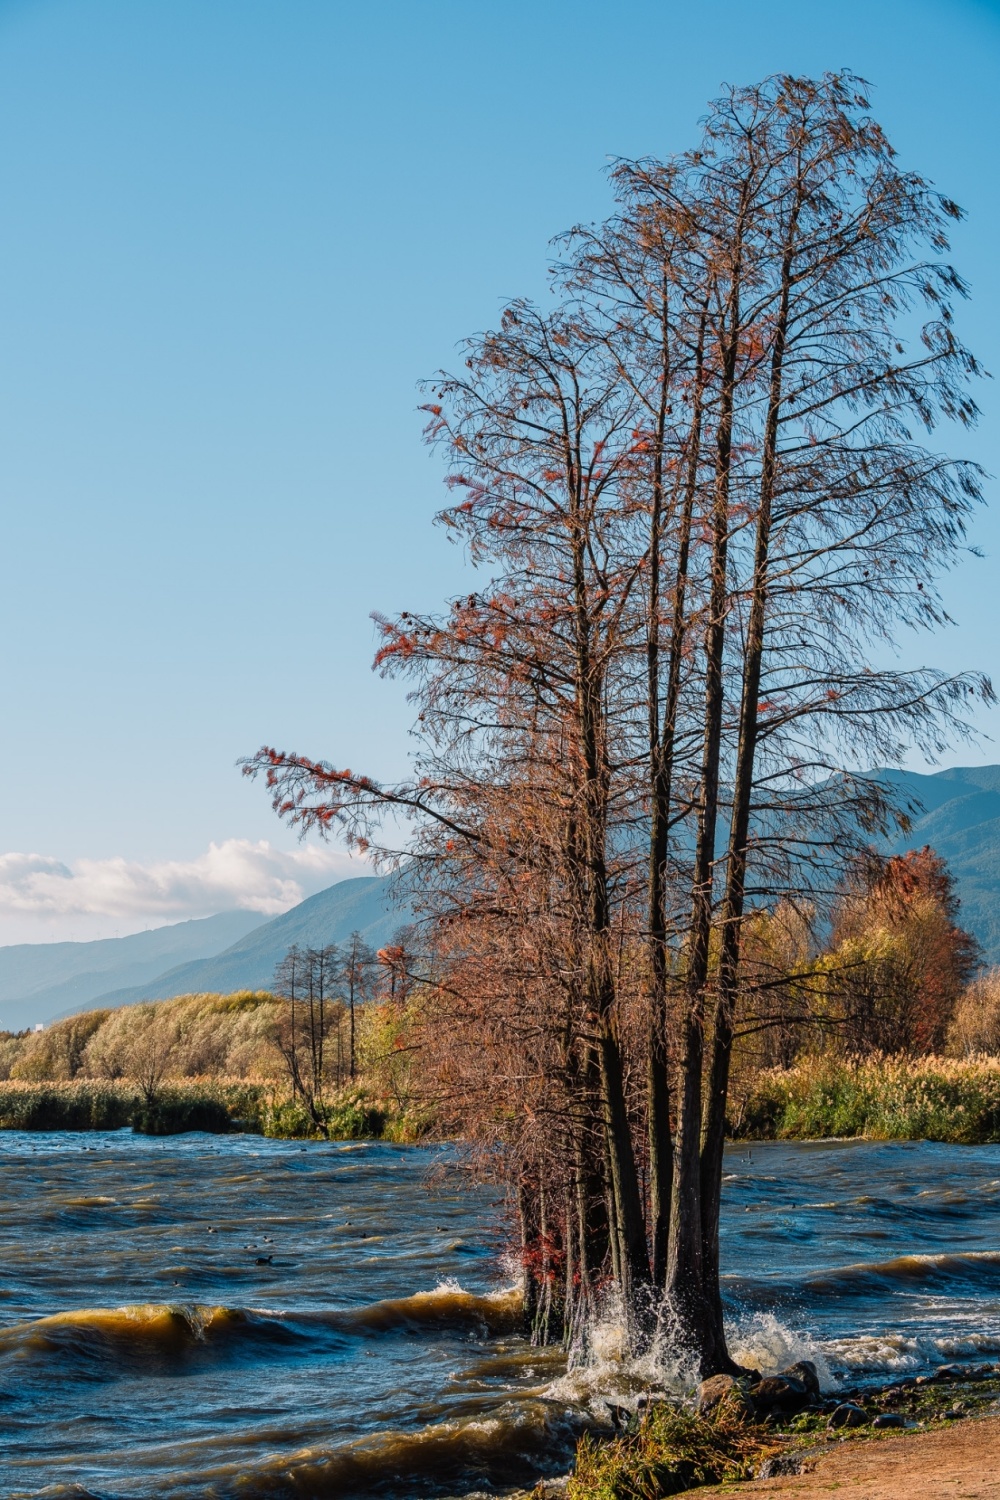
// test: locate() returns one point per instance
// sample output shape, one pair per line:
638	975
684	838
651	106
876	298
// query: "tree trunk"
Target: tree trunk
714	1130
686	1290
662	761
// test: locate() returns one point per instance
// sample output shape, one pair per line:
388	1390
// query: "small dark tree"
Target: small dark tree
356	977
289	980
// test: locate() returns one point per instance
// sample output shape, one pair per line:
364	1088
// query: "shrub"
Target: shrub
27	1106
57	1052
883	1098
176	1112
975	1026
669	1451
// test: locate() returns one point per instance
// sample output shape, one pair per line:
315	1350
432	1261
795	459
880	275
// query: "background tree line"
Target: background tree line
322	991
701	497
337	1015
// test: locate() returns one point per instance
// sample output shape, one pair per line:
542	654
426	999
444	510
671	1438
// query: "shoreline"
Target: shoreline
962	1459
871	1442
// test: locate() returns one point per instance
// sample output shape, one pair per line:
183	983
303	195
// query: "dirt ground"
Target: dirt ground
952	1463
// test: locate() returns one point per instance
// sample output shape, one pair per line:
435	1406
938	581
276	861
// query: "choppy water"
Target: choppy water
145	1352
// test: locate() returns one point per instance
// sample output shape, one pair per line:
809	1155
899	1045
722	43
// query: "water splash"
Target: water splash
602	1373
763	1342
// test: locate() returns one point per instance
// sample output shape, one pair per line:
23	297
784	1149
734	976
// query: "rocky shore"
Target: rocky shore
762	1432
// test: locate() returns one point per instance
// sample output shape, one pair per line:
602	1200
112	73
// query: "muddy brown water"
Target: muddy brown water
230	1317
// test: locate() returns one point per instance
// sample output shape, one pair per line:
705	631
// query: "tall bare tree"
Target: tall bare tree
703	488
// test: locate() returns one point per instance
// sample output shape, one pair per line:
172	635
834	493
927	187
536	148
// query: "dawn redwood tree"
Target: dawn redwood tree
840	518
642	278
705	492
520	786
824	526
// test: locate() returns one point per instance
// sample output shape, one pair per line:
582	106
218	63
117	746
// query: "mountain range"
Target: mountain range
959	816
42	980
236	950
360	905
956	811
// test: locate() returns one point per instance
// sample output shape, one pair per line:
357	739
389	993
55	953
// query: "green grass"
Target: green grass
199	1104
669	1451
881	1098
672	1450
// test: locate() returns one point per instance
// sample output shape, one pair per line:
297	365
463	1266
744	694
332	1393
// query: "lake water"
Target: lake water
230	1317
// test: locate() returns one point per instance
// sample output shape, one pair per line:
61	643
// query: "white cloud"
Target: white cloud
46	898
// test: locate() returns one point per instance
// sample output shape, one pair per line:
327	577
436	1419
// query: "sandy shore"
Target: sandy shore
961	1462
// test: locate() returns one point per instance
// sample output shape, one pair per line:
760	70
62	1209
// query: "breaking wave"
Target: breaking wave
975	1270
157	1333
518	1442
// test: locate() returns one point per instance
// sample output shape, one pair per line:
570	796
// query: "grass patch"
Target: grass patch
668	1452
673	1450
883	1098
215	1105
61	1106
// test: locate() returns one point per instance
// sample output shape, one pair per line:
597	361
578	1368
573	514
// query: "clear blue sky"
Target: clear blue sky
234	235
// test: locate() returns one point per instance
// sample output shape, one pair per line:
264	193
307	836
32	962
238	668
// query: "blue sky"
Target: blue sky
234	236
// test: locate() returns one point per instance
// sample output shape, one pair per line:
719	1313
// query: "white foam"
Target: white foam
968	1343
888	1353
762	1342
601	1371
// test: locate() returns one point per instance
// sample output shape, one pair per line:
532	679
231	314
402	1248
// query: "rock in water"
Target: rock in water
848	1415
724	1393
889	1419
780	1395
806	1372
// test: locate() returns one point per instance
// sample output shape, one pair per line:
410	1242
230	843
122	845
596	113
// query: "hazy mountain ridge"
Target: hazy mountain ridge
362	904
38	980
960	818
957	811
236	950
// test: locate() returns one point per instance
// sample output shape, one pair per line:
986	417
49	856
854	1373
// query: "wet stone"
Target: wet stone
780	1395
805	1373
963	1372
848	1415
889	1419
712	1391
725	1395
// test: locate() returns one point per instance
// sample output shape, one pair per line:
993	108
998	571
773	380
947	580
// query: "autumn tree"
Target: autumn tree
699	489
826	522
289	983
899	960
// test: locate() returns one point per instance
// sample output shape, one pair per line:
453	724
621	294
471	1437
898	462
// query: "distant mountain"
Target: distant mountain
42	980
956	811
331	916
960	818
